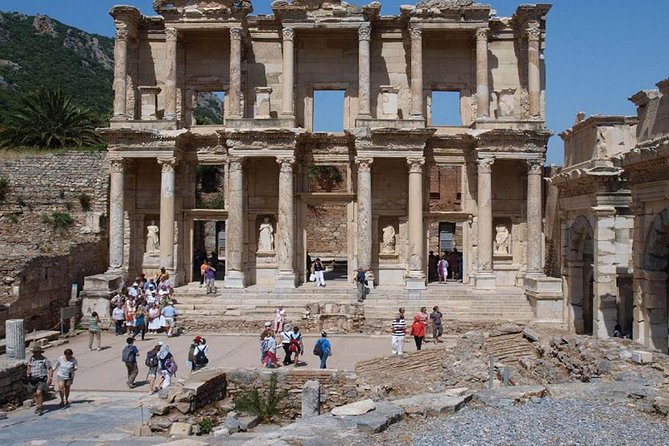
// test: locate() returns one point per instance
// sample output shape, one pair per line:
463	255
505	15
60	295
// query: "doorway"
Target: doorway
209	238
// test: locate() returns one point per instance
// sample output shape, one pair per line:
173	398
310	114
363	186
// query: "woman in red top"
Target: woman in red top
418	331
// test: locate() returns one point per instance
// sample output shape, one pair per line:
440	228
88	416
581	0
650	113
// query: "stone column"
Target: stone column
364	196
167	181
485	278
235	226
605	287
287	89
120	73
15	337
364	79
534	217
482	85
416	72
285	231
416	277
116	220
534	71
170	87
235	92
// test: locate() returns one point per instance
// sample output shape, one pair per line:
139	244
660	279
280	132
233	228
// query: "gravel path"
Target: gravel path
542	422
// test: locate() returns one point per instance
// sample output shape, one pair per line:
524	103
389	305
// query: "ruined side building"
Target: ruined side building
392	185
614	218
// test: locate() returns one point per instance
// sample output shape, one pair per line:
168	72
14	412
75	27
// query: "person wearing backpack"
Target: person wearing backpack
152	363
295	345
167	366
323	349
129	358
197	354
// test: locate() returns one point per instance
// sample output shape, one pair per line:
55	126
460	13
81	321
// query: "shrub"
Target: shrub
4	188
58	220
20	201
206	426
13	217
85	201
263	406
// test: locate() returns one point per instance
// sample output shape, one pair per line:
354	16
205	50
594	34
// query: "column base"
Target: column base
415	282
546	298
369	276
485	281
286	280
234	280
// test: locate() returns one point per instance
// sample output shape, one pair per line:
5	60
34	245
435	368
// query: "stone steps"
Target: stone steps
508	349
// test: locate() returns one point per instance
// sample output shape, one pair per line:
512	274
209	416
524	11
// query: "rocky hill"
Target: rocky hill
37	51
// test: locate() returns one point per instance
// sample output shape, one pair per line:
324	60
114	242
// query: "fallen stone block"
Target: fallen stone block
354	409
641	357
530	334
661	405
187	442
508	396
248	422
3	415
224	432
159	407
376	421
181	429
433	404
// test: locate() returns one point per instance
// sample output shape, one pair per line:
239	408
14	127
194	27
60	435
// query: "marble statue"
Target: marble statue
152	239
388	245
266	236
502	240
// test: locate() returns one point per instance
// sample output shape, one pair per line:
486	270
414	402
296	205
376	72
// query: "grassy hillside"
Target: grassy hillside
36	51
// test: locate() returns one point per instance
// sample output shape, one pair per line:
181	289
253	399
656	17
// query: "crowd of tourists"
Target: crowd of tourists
280	332
418	329
444	267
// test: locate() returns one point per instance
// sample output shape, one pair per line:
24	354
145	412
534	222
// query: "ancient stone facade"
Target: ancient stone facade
596	225
382	200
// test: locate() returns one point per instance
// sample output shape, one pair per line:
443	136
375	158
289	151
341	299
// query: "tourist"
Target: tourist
442	269
279	319
166	365
401	312
285	343
617	331
170	315
130	307
39	377
361	282
309	264
197	354
203	272
268	347
399	327
210	280
94	331
65	367
152	363
418	331
263	335
432	267
437	329
140	322
319	271
116	300
118	315
296	346
134	290
323	349
163	277
155	321
129	358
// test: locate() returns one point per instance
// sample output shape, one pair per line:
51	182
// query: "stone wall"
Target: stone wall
38	261
12	389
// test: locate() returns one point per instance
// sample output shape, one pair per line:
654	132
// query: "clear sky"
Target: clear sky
598	52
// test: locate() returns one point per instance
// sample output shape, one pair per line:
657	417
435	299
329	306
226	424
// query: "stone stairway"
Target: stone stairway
508	349
336	308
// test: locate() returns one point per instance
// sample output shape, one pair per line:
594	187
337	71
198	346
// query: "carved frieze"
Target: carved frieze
202	7
255	140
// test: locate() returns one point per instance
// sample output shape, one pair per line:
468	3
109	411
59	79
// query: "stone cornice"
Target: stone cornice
391	139
127	15
451	10
316	10
203	10
597	121
254	141
648	162
512	141
127	140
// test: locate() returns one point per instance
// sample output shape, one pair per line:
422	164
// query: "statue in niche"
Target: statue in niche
502	240
266	236
388	244
152	239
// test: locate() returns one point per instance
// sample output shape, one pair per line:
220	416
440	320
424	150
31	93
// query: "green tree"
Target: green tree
48	119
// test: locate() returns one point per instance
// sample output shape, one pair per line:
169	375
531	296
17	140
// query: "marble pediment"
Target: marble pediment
203	7
452	9
301	9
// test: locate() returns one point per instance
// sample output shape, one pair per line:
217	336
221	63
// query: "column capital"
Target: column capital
116	166
485	165
286	163
416	33
167	164
171	33
288	34
603	211
364	163
416	164
535	167
122	33
236	163
481	34
364	32
236	34
533	34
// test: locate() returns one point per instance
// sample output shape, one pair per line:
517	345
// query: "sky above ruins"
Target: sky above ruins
598	53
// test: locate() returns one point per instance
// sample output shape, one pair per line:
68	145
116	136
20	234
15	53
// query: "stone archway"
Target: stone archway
580	276
653	286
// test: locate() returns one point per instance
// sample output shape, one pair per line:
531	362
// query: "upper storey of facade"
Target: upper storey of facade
265	70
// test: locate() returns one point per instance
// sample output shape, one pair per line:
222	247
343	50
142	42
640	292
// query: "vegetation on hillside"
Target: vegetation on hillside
48	119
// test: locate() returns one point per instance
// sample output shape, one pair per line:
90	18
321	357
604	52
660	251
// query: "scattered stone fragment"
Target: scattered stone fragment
181	429
357	408
642	357
531	334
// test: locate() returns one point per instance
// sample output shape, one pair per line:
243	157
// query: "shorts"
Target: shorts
37	386
169	322
67	381
153	372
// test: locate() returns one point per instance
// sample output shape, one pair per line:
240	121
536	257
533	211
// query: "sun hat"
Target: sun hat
268	324
37	348
197	339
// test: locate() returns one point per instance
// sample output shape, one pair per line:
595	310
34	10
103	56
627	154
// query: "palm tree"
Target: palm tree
48	119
